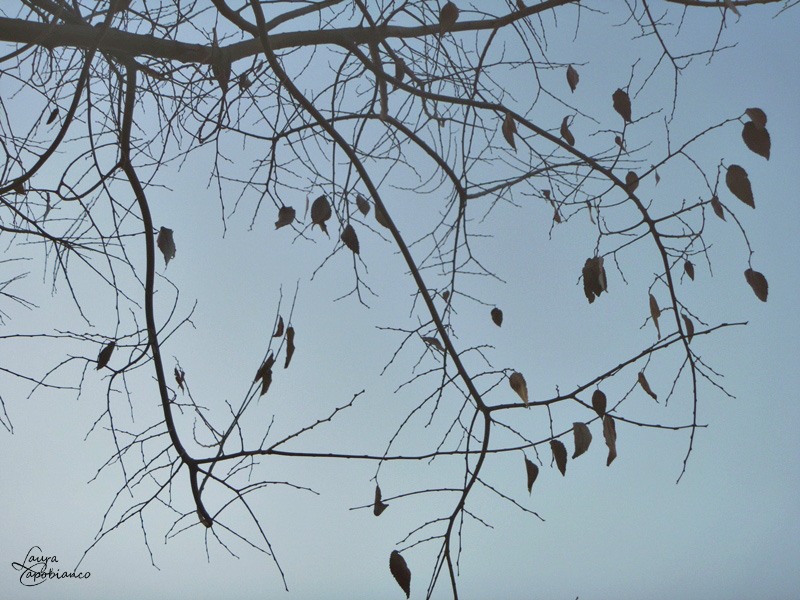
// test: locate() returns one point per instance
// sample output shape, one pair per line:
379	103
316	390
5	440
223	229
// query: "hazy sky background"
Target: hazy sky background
729	530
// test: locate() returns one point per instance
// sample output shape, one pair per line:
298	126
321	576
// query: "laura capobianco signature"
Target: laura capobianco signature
38	568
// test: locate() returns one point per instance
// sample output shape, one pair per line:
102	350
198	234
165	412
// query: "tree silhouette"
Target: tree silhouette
356	126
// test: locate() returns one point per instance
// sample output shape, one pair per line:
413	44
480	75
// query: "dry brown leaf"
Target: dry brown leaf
646	386
566	134
105	355
53	116
180	377
289	346
610	435
717	206
532	471
572	78
517	383
220	65
622	104
631	182
279	328
756	138
320	212
432	341
166	244
758	282
689	328
688	267
497	316
583	437
739	184
381	217
655	312
446	295
350	239
400	572
594	278
509	129
732	7
379	505
265	374
560	455
285	217
362	204
599	402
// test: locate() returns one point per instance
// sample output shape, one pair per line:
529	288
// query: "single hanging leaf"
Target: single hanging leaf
757	116
166	244
289	346
446	295
732	7
594	278
379	506
265	374
631	182
517	382
279	329
532	471
432	341
758	282
244	82
400	572
566	134
220	65
655	312
717	206
583	437
285	216
381	217
689	328
105	355
180	377
448	16
572	78
739	185
497	316
560	455
556	215
756	138
350	239
688	267
320	212
658	178
362	204
53	116
509	129
622	104
599	403
646	386
610	435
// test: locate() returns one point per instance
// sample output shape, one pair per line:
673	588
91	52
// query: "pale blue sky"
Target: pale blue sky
729	530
